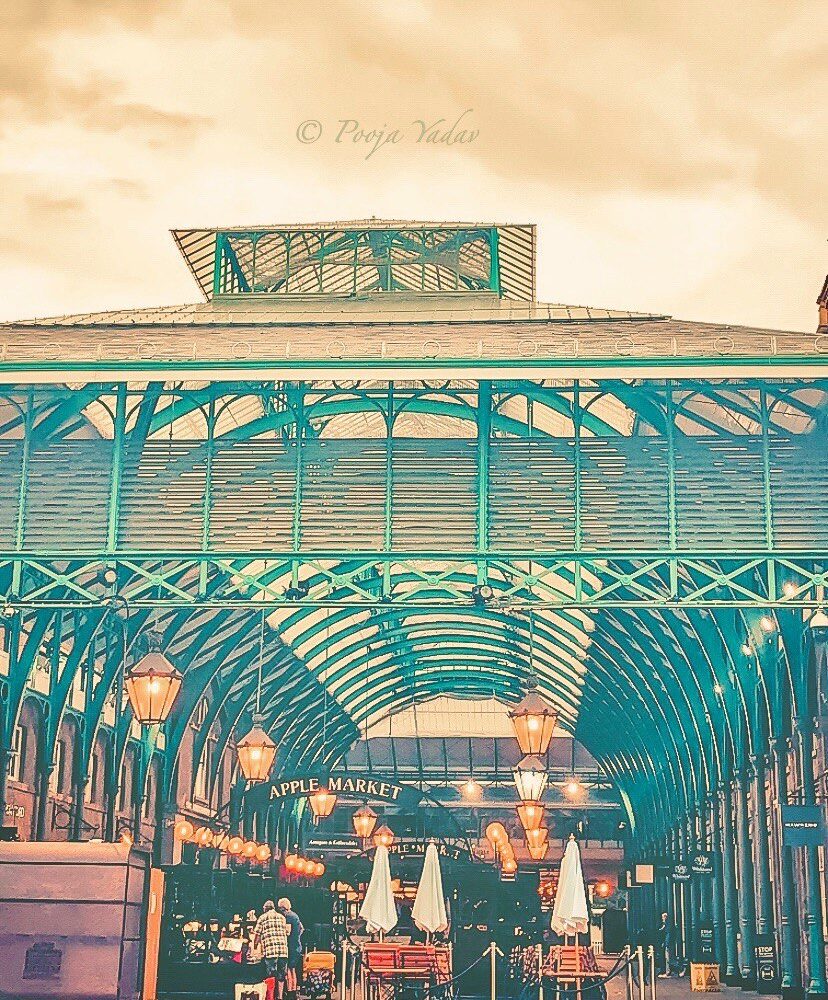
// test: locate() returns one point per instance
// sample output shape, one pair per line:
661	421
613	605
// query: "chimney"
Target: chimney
822	302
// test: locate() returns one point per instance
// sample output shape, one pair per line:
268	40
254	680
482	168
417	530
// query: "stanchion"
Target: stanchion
642	986
353	973
653	976
493	967
629	975
344	964
540	971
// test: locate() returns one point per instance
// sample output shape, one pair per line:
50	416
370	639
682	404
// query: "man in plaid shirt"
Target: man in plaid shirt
271	934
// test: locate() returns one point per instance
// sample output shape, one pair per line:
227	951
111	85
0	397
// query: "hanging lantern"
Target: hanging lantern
256	752
319	869
384	837
322	803
534	721
262	853
301	867
530	814
536	837
203	836
234	846
530	778
471	790
152	685
184	830
509	866
537	852
496	834
249	849
364	820
290	862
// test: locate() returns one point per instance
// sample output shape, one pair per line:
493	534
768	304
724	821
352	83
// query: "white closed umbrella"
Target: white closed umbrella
570	914
378	909
429	910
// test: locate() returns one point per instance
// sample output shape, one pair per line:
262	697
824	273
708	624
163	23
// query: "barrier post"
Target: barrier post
493	966
629	975
642	986
344	964
653	976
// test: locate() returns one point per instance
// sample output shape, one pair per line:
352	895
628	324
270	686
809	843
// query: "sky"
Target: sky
671	154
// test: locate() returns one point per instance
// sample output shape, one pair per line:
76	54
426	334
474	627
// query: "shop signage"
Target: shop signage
707	943
43	961
359	786
347	844
681	872
802	826
702	864
767	974
417	848
13	811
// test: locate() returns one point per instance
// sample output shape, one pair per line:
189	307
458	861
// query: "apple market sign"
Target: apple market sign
359	786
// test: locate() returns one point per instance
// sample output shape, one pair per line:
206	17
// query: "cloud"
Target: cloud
638	129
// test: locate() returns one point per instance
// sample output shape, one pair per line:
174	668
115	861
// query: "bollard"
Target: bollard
344	964
493	965
653	976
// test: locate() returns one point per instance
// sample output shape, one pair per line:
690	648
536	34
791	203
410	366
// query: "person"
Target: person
294	957
271	935
664	942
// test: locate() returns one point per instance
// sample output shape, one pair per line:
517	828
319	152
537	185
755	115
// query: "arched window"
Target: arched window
17	755
57	779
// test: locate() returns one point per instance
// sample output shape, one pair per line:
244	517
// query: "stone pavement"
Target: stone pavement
678	988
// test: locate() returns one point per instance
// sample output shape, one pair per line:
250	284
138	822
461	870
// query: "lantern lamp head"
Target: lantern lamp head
152	685
530	778
364	820
534	722
322	803
256	752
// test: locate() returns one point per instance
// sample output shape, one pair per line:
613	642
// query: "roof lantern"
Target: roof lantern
363	258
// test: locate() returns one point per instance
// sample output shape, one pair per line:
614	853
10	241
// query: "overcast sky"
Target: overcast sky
672	155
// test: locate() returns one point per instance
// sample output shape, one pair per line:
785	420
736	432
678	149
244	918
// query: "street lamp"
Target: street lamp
364	820
530	778
534	721
152	685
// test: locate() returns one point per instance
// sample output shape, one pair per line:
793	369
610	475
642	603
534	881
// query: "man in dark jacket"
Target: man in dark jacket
664	942
294	962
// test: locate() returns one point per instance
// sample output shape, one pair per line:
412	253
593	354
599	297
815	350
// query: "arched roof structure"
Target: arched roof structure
646	544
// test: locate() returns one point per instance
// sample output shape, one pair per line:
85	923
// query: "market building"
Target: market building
328	526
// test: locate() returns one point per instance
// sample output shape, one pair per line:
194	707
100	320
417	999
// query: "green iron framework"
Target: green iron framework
280	509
